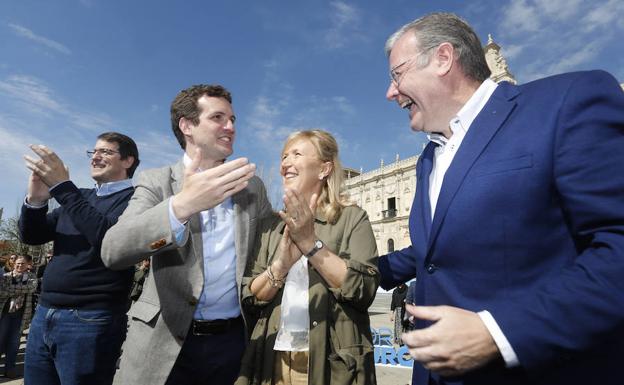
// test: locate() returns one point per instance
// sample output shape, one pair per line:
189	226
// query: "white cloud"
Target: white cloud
31	92
544	37
520	16
265	118
558	9
345	25
27	33
604	16
511	51
534	15
582	53
157	149
36	98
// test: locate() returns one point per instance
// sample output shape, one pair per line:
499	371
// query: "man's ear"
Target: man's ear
444	57
127	163
185	126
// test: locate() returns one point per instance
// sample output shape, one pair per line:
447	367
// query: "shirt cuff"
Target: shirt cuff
510	357
177	227
28	205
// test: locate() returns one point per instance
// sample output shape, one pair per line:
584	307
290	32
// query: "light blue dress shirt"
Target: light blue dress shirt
219	297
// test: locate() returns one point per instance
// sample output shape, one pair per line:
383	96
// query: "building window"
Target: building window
391	212
390	245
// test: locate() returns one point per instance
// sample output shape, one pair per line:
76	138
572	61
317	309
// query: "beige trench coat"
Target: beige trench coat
341	349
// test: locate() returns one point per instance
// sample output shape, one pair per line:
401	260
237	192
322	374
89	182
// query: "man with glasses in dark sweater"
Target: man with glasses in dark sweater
80	323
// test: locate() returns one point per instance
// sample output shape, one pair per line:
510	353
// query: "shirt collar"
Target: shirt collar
468	113
109	188
186	160
474	105
437	138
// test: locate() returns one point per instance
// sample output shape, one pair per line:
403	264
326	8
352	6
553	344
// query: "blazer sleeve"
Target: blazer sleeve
143	229
584	304
397	267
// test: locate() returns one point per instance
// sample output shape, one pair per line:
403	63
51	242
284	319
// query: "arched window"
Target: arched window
390	245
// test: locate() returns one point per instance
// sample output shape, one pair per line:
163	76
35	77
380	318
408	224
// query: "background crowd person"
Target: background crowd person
397	315
9	263
517	226
197	220
16	289
80	321
313	276
140	274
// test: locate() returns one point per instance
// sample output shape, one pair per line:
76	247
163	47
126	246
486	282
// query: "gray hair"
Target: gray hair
437	28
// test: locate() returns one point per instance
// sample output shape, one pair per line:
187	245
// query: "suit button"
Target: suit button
431	268
314	323
193	301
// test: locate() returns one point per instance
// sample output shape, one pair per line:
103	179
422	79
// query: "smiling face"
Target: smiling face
301	168
106	163
21	265
417	88
214	134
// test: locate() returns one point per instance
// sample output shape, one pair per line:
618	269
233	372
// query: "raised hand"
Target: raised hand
38	192
457	342
299	218
203	190
49	168
288	255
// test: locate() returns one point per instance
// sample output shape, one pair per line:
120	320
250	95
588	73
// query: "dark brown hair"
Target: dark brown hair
185	106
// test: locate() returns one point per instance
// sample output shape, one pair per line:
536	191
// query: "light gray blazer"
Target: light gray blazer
160	319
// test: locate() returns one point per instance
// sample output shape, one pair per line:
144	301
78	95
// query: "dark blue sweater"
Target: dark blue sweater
76	277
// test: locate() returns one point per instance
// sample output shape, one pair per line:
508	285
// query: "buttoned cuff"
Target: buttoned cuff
28	205
177	227
510	357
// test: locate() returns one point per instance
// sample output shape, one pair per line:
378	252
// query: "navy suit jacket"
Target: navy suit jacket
529	225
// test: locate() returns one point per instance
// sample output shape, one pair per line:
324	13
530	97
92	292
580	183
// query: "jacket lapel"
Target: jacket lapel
422	190
177	176
241	231
483	128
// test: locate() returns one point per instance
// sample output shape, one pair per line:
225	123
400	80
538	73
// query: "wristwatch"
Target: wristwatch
318	244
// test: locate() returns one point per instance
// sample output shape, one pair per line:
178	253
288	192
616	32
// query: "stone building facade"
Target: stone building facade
386	194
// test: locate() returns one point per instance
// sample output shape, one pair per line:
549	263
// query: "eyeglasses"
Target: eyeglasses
396	76
101	151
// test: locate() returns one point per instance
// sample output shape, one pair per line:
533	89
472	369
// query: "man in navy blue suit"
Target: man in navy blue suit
517	226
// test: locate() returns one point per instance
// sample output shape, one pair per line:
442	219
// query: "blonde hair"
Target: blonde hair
332	200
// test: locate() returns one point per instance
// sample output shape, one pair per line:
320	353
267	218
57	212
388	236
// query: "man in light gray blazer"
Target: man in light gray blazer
197	220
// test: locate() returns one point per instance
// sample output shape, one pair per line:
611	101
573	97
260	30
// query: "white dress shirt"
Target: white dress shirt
442	159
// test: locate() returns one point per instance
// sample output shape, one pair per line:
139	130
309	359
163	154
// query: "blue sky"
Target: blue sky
71	69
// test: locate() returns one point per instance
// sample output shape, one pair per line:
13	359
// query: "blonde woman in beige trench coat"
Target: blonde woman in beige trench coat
338	242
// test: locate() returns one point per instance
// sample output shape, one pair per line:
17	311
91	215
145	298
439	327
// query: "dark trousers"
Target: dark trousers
10	333
209	359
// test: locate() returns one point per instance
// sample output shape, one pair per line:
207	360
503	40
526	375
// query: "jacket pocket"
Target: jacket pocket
504	165
144	311
352	365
